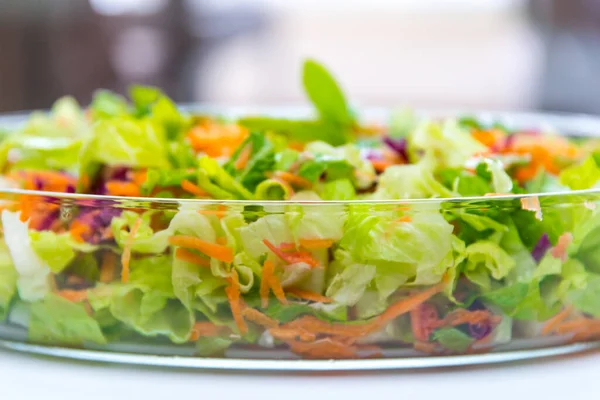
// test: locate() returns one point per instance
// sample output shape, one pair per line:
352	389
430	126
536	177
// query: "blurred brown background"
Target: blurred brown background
496	54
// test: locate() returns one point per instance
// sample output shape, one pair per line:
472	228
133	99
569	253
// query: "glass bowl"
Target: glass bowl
175	301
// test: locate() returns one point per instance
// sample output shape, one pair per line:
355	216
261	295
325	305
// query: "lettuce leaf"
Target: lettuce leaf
33	282
261	160
217	176
54	249
485	259
57	321
410	181
273	228
582	176
8	281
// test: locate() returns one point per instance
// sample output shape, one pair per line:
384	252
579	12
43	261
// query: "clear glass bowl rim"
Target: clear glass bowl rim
566	124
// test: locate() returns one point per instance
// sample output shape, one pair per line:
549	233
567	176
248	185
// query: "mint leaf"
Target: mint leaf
325	94
302	131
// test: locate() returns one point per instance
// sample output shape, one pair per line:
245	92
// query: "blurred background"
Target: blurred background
480	54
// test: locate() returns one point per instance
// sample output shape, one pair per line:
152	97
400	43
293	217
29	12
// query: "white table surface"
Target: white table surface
25	376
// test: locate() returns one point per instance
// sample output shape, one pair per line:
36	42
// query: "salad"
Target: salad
132	221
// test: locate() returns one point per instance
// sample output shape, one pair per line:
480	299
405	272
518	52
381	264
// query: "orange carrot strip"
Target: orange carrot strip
308	295
292	334
193	189
259	318
188	256
76	296
532	204
293	179
222	240
243	158
206	328
221	253
268	269
322	349
139	177
277	289
292	257
461	316
233	295
317	326
425	347
107	269
580	325
380	165
218	213
560	250
405	305
316	243
126	257
556	320
405	218
116	188
78	230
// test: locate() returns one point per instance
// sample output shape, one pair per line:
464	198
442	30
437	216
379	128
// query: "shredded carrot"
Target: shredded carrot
206	328
218	213
216	139
188	256
292	257
560	250
259	318
314	244
322	349
139	177
488	137
78	230
405	305
380	165
532	203
243	158
404	218
461	316
299	146
221	253
126	257
267	272
293	179
277	289
308	295
292	334
317	326
76	296
107	270
556	320
193	189
128	189
233	295
222	240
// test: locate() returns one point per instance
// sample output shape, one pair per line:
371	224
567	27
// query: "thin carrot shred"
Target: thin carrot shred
193	189
108	267
308	295
243	158
425	347
317	326
128	189
292	334
126	257
267	272
292	257
580	325
233	295
188	256
293	179
76	296
221	253
222	240
404	218
560	250
461	316
556	320
405	305
78	230
277	289
380	165
532	204
322	349
259	318
314	244
139	177
205	328
218	213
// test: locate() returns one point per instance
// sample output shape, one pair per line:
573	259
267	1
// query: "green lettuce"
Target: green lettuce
410	181
212	176
8	281
57	321
582	176
485	259
54	249
261	161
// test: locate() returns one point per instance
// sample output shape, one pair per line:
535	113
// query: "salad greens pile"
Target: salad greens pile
448	235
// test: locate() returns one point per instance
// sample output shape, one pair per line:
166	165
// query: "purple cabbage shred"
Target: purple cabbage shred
400	146
541	247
